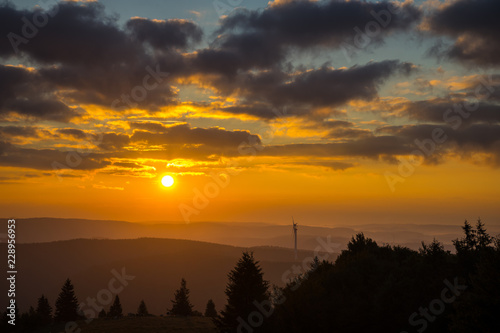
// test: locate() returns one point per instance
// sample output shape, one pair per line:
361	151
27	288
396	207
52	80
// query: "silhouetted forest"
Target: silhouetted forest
373	288
369	288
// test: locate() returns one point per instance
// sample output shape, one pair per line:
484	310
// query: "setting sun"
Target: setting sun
167	181
250	166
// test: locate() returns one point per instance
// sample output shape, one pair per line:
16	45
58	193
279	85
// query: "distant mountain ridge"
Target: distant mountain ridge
237	234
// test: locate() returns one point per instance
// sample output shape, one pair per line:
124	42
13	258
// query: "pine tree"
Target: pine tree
44	311
67	303
102	314
30	320
469	242
142	310
26	322
210	309
483	239
477	309
181	305
115	311
246	286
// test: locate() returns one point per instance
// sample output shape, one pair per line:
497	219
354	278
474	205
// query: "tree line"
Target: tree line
67	310
373	288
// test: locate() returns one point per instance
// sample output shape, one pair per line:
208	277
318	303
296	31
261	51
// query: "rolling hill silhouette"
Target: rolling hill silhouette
157	264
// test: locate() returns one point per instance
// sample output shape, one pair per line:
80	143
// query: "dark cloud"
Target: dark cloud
247	53
340	129
328	87
267	111
26	93
167	34
32	175
113	141
73	132
41	108
48	159
373	147
266	92
452	111
262	38
333	165
11	19
74	33
348	133
475	26
89	59
19	131
308	23
435	142
486	87
119	88
8	179
257	109
334	124
128	165
185	135
148	126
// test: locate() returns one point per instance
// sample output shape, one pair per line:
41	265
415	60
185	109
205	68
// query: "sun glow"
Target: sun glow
167	181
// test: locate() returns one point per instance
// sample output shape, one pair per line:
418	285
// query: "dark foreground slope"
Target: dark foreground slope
156	265
145	325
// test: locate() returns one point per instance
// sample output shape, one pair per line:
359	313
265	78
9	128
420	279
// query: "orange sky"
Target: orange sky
290	127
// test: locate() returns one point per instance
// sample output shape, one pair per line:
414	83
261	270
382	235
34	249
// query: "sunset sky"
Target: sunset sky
334	112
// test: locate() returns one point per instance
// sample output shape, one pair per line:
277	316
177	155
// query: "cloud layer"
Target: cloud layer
74	75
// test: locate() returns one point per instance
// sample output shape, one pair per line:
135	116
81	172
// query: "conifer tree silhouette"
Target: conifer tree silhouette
142	310
210	309
44	311
181	305
115	311
67	303
245	287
